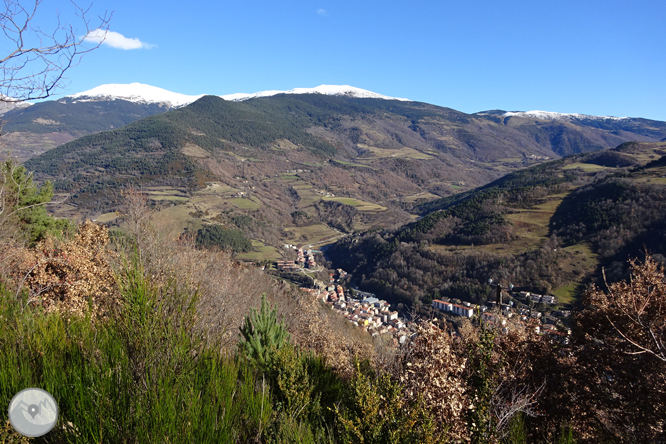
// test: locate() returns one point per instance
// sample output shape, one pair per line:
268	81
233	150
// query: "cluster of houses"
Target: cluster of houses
527	318
305	260
371	314
537	298
325	193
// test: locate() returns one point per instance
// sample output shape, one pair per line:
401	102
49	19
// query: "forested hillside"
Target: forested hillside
32	130
435	149
542	229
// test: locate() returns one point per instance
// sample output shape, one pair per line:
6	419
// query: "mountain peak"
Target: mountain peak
135	92
329	90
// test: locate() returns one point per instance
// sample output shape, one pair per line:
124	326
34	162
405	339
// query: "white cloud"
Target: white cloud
322	12
116	40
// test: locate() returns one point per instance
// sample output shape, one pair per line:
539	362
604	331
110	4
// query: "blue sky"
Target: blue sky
600	57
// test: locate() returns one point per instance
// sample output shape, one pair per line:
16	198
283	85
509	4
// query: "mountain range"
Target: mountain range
31	130
424	148
301	165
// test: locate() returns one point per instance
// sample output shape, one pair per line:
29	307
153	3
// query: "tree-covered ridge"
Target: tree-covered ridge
77	118
618	215
517	186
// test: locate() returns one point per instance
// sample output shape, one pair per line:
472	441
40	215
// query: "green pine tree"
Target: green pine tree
261	335
24	203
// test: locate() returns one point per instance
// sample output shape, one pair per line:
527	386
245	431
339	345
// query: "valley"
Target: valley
313	169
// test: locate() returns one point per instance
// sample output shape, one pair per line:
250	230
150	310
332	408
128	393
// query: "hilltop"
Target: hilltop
48	124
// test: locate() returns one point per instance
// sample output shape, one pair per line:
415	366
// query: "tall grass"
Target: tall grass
142	376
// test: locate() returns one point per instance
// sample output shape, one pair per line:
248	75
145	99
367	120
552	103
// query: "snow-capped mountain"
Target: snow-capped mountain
9	105
329	90
135	92
140	93
548	115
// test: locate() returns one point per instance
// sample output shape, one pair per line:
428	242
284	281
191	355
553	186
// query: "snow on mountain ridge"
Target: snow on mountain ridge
140	93
329	90
549	115
135	92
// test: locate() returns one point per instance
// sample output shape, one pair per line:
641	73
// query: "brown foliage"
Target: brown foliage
69	275
315	327
619	359
228	290
433	370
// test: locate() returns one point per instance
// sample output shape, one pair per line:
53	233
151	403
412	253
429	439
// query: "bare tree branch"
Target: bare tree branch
38	60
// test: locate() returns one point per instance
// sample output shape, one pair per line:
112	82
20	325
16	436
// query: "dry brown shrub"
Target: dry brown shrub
618	360
69	275
433	370
227	290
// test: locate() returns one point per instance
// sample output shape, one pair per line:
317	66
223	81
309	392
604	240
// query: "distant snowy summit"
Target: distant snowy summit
549	115
140	93
329	90
135	92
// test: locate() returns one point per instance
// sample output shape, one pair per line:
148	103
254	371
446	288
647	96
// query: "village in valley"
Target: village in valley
360	308
522	309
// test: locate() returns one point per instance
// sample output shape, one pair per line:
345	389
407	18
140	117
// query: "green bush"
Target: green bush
374	410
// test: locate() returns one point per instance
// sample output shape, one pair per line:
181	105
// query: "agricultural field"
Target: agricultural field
261	252
654	176
318	234
308	196
415	197
244	203
106	217
567	294
179	218
587	167
358	204
376	152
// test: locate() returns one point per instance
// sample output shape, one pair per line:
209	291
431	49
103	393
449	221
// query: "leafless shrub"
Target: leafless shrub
433	370
618	362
